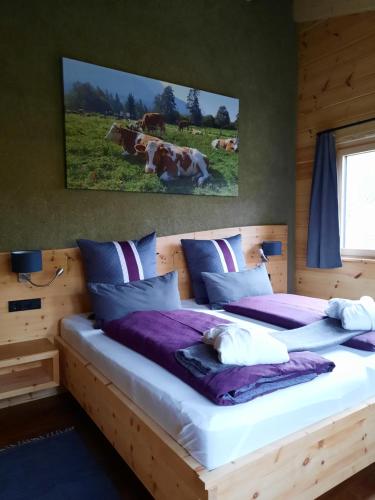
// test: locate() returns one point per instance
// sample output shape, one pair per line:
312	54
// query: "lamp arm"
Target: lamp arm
263	257
59	272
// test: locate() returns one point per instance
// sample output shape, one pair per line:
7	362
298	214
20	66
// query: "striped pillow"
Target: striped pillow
213	256
119	261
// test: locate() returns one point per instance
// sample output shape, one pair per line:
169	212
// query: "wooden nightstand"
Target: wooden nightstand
27	367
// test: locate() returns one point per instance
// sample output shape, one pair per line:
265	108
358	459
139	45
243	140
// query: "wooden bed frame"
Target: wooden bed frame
302	465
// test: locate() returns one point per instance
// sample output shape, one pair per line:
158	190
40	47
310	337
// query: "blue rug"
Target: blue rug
55	467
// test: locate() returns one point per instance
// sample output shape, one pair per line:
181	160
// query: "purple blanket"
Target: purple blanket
363	342
281	309
292	311
158	335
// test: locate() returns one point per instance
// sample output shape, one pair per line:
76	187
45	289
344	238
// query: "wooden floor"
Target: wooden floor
46	415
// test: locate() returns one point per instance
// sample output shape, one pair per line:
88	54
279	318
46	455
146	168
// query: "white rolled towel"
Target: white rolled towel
239	346
336	306
359	316
353	314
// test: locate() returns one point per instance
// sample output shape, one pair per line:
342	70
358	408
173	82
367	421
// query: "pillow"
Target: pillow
223	288
214	256
119	261
113	301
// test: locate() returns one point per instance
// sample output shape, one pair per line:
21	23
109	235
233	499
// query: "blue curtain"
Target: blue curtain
323	245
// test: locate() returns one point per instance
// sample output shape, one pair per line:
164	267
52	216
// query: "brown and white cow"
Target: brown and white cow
128	138
231	144
170	162
152	121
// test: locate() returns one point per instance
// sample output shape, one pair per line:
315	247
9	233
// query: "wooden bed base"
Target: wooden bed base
303	465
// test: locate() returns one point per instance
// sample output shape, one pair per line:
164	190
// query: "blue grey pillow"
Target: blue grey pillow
113	301
214	256
223	288
119	261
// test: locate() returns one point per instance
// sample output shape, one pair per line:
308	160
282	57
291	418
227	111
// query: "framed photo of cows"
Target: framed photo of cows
125	132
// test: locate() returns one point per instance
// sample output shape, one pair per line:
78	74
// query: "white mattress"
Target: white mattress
215	435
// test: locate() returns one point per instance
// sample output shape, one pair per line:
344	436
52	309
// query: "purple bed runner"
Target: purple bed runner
281	309
363	342
158	335
292	311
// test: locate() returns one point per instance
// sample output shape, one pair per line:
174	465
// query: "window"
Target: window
356	175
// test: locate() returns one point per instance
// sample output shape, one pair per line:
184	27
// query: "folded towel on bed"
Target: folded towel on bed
238	346
337	305
354	314
359	316
200	359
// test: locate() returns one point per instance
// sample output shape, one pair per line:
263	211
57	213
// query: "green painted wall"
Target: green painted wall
233	47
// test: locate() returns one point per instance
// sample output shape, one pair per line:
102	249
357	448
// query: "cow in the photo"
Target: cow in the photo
170	162
183	124
128	138
231	144
152	121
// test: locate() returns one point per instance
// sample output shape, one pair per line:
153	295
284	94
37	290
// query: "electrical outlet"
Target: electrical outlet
24	305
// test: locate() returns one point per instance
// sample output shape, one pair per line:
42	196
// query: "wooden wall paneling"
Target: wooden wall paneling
67	295
341	113
356	278
356	59
171	257
333	35
309	10
336	87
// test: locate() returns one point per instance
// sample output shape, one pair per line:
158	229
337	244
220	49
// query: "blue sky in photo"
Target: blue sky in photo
141	87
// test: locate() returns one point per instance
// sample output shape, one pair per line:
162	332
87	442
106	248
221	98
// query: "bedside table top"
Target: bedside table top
29	351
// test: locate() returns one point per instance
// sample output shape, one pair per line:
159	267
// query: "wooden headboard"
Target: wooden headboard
67	295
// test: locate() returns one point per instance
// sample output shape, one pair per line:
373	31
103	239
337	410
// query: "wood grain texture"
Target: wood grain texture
68	294
30	397
336	87
164	468
310	10
26	352
28	367
55	413
303	465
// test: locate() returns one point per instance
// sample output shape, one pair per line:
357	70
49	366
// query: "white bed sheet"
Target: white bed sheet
216	435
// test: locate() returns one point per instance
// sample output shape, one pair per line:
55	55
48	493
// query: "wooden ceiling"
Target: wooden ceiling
313	10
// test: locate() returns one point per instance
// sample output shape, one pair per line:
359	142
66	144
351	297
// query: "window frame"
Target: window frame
342	152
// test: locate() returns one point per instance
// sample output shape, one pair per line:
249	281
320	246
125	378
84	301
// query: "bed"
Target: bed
215	435
177	444
217	438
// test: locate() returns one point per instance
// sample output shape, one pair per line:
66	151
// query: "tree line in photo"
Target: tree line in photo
84	97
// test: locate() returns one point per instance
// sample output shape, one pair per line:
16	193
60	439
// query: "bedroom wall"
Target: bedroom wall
243	49
336	86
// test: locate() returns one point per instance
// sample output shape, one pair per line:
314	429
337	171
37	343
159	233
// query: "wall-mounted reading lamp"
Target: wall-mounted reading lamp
269	248
30	261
